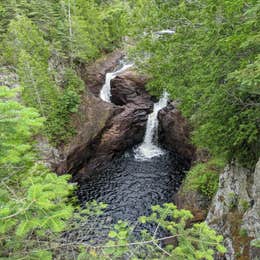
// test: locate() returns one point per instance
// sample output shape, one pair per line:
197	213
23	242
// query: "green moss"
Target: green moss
244	204
243	232
232	200
256	243
203	177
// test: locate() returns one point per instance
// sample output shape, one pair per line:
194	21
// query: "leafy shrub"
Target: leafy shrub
59	126
196	242
33	201
203	177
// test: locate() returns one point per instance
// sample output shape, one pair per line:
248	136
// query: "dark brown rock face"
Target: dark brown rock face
94	75
90	122
103	129
174	132
123	131
128	87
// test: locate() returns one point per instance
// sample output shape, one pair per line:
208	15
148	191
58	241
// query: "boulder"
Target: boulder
194	202
174	131
105	130
129	87
124	131
89	122
251	219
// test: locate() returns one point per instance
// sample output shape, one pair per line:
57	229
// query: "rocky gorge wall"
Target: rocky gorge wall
235	211
105	130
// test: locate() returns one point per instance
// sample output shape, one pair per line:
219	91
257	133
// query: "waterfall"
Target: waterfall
149	147
105	92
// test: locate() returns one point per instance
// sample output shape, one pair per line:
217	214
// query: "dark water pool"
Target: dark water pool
130	187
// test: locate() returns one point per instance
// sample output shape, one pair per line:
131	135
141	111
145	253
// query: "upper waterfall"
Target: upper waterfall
105	92
149	147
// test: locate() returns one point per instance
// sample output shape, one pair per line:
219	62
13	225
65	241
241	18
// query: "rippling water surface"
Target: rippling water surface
131	186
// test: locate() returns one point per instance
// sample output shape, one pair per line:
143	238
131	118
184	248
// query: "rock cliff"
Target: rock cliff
235	211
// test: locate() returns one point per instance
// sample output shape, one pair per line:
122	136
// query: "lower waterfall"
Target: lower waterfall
149	148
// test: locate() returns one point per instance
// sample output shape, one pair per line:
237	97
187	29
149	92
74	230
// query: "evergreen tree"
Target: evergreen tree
210	64
33	201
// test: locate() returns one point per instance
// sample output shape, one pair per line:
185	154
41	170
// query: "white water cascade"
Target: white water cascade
105	92
149	148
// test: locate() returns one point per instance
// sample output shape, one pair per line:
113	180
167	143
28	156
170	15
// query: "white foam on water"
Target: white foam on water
105	92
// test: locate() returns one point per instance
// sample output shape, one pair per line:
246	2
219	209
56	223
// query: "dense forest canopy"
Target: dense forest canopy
210	64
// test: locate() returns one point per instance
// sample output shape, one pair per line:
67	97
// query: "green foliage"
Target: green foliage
255	243
210	64
243	232
116	20
118	245
59	127
17	124
196	242
203	177
34	204
244	204
232	200
33	201
20	30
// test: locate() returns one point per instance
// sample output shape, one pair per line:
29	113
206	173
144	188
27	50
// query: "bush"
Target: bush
59	127
196	242
203	177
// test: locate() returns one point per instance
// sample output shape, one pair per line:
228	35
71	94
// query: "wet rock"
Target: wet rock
174	131
105	130
94	75
123	131
93	117
129	87
90	122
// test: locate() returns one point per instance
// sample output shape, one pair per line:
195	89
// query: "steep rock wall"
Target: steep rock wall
235	211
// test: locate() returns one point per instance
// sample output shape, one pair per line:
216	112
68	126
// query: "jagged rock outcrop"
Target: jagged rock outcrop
128	87
94	75
104	129
251	219
174	131
124	130
234	212
90	122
